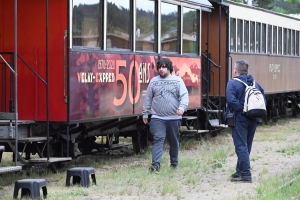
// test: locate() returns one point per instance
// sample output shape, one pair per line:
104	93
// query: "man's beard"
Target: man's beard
164	75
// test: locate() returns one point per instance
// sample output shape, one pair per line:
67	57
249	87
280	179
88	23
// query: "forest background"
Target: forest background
281	6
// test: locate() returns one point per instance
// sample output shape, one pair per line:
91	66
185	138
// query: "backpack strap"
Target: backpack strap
237	79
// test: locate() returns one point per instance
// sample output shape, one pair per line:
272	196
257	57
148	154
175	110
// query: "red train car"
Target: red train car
73	71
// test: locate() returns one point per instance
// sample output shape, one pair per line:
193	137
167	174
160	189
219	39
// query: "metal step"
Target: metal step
7	116
186	132
51	160
5	170
215	123
189	117
20	122
2	148
213	111
27	139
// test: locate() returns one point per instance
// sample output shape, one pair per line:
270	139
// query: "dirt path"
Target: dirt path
267	162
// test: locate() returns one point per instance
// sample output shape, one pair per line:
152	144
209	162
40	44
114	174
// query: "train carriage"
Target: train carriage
269	41
73	72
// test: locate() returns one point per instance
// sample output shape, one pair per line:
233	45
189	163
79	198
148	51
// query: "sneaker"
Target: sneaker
173	166
154	169
235	175
242	180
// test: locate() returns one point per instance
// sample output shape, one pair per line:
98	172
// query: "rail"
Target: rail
11	54
32	69
209	103
15	110
218	66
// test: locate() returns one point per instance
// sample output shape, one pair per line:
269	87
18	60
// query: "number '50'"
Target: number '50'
127	86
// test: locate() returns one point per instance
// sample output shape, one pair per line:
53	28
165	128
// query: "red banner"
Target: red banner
110	85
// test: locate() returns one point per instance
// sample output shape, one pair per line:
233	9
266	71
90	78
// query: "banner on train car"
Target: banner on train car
108	85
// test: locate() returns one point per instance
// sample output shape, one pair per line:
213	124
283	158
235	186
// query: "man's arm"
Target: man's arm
232	99
147	103
184	98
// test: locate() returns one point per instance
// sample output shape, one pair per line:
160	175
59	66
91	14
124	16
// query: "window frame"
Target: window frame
132	28
233	35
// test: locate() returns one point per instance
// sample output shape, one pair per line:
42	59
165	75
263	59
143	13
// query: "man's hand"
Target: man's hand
145	120
179	112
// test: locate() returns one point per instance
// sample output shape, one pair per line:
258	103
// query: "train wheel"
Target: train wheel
295	110
86	146
140	141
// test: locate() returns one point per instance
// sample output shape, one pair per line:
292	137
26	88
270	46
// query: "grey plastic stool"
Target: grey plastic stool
81	174
30	187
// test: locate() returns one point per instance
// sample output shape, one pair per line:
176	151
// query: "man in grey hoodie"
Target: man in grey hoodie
244	130
166	100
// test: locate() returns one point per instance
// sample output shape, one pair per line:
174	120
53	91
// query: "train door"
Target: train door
214	58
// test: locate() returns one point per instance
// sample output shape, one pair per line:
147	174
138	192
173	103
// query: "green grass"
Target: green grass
290	150
280	187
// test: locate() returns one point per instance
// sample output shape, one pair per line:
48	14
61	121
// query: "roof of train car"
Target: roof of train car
253	13
204	3
228	3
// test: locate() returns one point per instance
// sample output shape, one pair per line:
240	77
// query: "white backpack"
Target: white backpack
255	105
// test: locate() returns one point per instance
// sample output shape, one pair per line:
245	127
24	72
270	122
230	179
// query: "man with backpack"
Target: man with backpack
245	125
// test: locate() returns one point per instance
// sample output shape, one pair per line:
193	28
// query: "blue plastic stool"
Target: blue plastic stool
30	187
81	174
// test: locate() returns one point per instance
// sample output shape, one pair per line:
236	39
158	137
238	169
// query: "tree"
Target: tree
266	4
281	6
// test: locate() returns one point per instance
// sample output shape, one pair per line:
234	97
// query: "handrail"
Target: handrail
207	98
32	70
7	64
211	60
24	63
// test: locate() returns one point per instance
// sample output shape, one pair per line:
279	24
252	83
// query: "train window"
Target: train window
258	25
239	35
274	39
190	31
297	43
232	34
279	40
118	24
293	42
252	37
263	38
169	27
269	39
145	20
87	23
246	36
284	41
289	41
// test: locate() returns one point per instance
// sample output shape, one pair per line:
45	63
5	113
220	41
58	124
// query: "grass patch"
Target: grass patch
279	131
280	187
290	150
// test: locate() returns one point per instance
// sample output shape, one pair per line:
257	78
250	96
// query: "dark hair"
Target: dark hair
242	66
165	62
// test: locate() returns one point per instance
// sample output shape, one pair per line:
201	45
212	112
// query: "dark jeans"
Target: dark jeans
243	134
162	129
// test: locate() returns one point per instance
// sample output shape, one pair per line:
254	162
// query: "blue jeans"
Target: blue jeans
162	129
243	134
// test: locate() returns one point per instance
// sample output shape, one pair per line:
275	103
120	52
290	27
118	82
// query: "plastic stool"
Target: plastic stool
30	187
81	174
